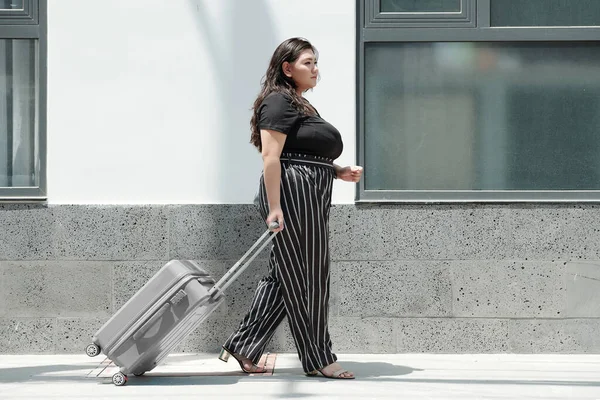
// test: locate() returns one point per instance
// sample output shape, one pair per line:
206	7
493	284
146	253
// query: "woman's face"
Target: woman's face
303	71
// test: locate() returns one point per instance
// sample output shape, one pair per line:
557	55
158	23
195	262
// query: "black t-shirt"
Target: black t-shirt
306	134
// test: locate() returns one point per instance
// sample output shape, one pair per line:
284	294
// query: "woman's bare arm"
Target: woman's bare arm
272	145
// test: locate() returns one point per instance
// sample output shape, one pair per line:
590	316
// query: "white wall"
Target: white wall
149	100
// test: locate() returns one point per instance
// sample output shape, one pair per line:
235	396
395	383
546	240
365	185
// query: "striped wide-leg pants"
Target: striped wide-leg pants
297	285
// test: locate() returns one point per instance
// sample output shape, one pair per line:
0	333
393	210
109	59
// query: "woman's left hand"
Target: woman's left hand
350	173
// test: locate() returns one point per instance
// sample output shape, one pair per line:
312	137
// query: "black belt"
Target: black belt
306	159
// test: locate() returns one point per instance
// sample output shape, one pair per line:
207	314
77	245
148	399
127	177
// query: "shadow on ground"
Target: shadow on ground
364	371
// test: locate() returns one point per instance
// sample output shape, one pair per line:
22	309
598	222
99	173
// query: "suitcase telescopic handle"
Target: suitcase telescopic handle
239	267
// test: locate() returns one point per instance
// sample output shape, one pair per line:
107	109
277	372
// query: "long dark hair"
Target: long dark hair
276	81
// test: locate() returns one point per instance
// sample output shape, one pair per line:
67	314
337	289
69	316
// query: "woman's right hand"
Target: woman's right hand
276	215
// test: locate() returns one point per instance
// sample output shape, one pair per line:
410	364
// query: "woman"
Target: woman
298	148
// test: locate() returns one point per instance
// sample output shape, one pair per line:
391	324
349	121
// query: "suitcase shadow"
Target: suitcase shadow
187	379
44	373
363	371
70	372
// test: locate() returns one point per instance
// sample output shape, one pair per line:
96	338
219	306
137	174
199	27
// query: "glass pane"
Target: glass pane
11	4
18	113
545	13
420	5
482	116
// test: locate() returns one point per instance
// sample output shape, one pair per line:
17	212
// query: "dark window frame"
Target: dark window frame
443	30
374	17
29	15
31	23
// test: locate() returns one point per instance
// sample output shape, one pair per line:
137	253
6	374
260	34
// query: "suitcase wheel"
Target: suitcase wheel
119	379
92	350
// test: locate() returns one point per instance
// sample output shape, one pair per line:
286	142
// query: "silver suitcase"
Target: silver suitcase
164	312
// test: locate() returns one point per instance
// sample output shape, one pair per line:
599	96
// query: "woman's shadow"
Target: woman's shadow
363	371
370	370
381	371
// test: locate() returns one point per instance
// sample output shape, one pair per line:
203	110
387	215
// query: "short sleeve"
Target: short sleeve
277	113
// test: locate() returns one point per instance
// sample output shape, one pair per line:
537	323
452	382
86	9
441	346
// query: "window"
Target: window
420	6
449	112
545	13
22	100
422	13
12	5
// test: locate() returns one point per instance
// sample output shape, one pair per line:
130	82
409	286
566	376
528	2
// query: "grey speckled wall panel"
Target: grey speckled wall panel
405	278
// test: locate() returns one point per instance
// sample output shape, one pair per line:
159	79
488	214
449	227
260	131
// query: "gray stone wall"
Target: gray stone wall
405	278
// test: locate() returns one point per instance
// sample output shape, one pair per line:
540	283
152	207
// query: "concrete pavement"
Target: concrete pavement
379	376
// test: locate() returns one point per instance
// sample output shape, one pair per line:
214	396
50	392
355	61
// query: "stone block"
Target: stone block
508	289
426	232
74	334
391	289
580	233
451	335
555	232
482	232
27	335
363	335
112	232
583	289
213	232
57	288
27	232
2	290
555	336
362	233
